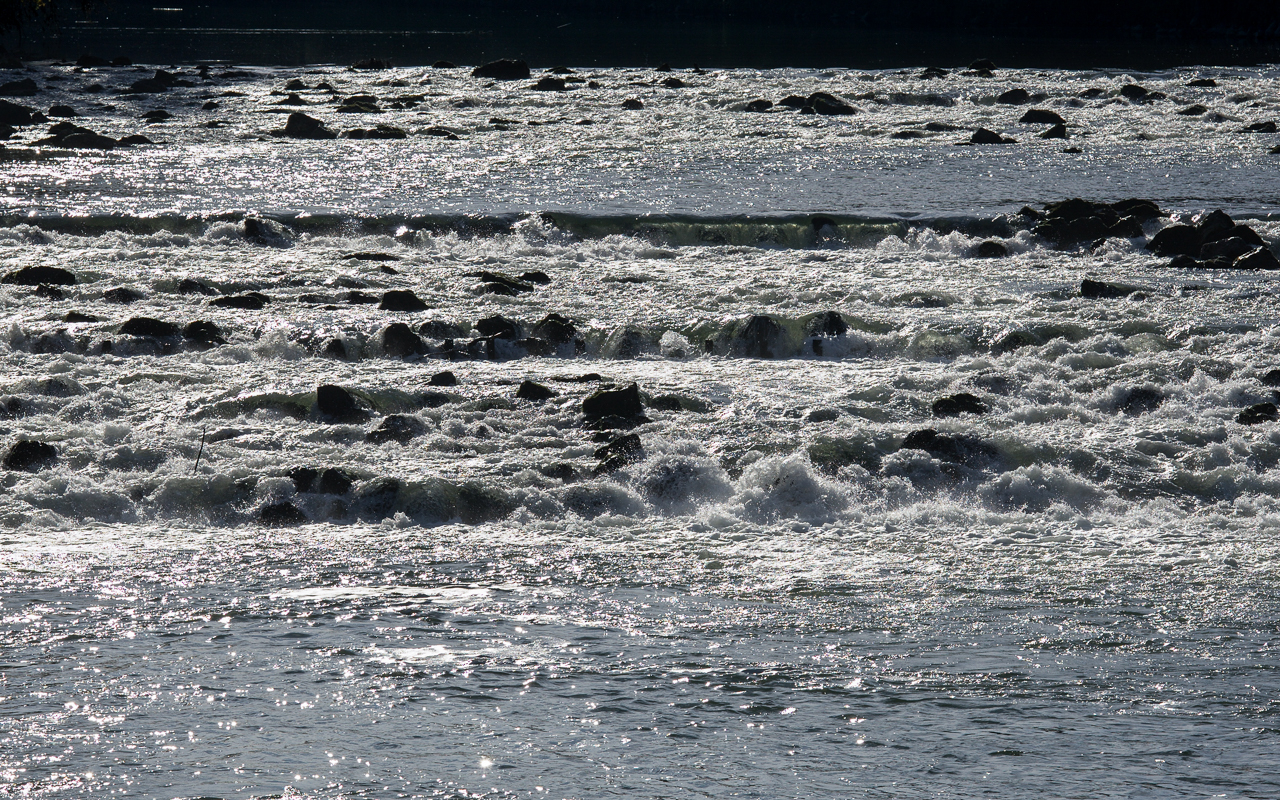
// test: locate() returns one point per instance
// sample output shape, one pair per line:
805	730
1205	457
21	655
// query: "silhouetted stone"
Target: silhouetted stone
556	329
614	403
758	106
549	84
957	404
399	341
14	115
1260	127
301	126
959	449
984	136
990	249
1101	290
1257	414
1042	116
444	65
535	276
203	332
47	292
441	329
445	378
281	514
1056	132
983	64
826	324
1193	110
337	403
1014	97
1203	83
1176	240
146	326
401	300
62	111
1013	340
760	336
1139	400
505	69
30	456
1262	258
1272	378
122	295
193	286
399	428
498	326
632	104
830	105
34	276
77	316
534	391
1228	249
249	301
20	88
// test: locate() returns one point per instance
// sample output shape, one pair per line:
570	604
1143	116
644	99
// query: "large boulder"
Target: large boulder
301	126
36	276
20	88
959	449
614	403
400	428
1177	240
759	336
830	105
30	456
337	403
14	115
505	69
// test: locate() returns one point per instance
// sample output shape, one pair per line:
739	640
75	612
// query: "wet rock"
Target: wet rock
534	391
674	83
14	115
133	139
1139	94
34	276
301	126
498	326
76	316
122	295
193	286
334	481
303	478
359	104
1176	240
1272	378
401	300
444	65
399	341
30	456
1193	110
371	64
1102	290
261	230
549	84
204	333
826	324
758	106
1125	228
370	256
281	514
1260	127
1141	210
632	104
535	276
1261	258
376	499
1014	340
47	292
1014	97
1041	116
249	301
336	403
959	449
624	403
1056	132
818	415
445	378
146	326
628	446
71	136
505	69
983	64
556	329
1228	249
957	404
20	88
62	111
990	249
400	428
1215	225
829	105
361	299
441	329
794	101
760	336
984	136
1139	400
1203	83
376	132
1257	414
679	403
335	348
930	73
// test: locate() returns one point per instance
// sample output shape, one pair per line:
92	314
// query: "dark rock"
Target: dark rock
133	139
1215	225
1125	228
146	326
122	295
21	88
34	276
907	135
758	106
1203	83
193	286
498	326
632	104
260	230
984	136
156	115
794	101
818	415
1272	378
1192	110
983	64
1261	258
361	299
337	403
399	341
399	428
440	329
445	378
1100	290
436	399
674	83
628	445
930	73
444	65
335	348
443	133
301	126
376	132
1013	340
334	481
1141	210
614	403
1042	116
829	105
1014	97
1228	249
1184	262
759	336
372	64
30	456
502	70
1176	240
1056	132
369	256
376	499
62	111
281	514
990	249
203	332
14	115
1242	232
534	391
401	300
1139	400
959	449
250	301
556	329
1260	127
76	316
549	84
47	292
957	404
1253	415
826	324
535	276
303	478
942	127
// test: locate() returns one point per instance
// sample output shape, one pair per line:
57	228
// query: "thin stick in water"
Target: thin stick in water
200	452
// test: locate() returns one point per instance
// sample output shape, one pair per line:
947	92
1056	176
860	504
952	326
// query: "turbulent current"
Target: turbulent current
407	433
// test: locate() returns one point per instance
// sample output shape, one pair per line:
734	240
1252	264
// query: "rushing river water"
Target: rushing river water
915	495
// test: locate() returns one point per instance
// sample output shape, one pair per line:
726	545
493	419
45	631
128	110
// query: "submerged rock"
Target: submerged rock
959	449
534	391
400	428
1258	414
1139	400
957	404
34	276
30	456
759	336
281	514
338	404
